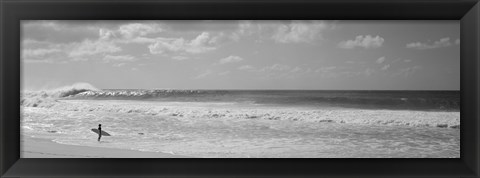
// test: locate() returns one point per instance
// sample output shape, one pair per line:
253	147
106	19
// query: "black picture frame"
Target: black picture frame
13	11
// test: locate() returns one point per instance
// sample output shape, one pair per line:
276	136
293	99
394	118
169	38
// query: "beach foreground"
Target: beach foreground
43	148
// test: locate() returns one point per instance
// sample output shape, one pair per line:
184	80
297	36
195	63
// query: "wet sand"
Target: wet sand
43	148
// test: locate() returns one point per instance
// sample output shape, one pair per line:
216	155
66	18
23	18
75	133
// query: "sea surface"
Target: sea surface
366	99
251	123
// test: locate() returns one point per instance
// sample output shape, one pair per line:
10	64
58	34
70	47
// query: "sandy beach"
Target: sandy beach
43	148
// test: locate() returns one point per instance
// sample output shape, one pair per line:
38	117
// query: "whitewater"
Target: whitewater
240	124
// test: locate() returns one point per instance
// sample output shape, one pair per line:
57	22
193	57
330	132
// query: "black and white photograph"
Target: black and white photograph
240	89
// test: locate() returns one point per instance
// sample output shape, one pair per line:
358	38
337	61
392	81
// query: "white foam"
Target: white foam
47	98
228	111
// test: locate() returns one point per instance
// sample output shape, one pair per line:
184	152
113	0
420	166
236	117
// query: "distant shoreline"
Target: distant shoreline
43	148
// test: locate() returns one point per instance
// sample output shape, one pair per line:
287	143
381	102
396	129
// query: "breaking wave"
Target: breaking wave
125	94
47	98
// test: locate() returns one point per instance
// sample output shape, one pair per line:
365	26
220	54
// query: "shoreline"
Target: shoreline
43	148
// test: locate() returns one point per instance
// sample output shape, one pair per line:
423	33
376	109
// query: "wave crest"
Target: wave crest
47	98
72	90
123	94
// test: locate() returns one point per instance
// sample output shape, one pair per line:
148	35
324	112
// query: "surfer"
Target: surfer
99	131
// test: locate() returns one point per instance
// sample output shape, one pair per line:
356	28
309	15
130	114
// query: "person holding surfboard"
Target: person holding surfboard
99	131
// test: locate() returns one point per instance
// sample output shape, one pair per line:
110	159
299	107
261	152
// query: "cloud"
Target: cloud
89	47
131	33
328	72
33	61
75	51
125	58
367	42
119	65
34	51
200	44
343	71
369	72
277	71
48	24
75	31
110	40
298	32
409	71
245	67
67	51
325	69
39	52
201	39
31	42
106	34
443	42
380	60
167	44
276	67
219	38
230	59
281	32
296	70
407	60
210	73
58	31
385	67
245	28
138	29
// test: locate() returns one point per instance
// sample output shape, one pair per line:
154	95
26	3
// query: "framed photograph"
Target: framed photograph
251	88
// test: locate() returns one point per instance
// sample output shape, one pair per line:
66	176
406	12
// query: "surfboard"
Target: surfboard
103	132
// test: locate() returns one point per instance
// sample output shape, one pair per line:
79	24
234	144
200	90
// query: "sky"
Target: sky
249	55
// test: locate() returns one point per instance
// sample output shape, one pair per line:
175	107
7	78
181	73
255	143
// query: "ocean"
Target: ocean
370	99
251	123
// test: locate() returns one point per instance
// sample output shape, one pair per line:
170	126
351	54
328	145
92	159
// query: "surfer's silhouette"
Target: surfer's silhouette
99	131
